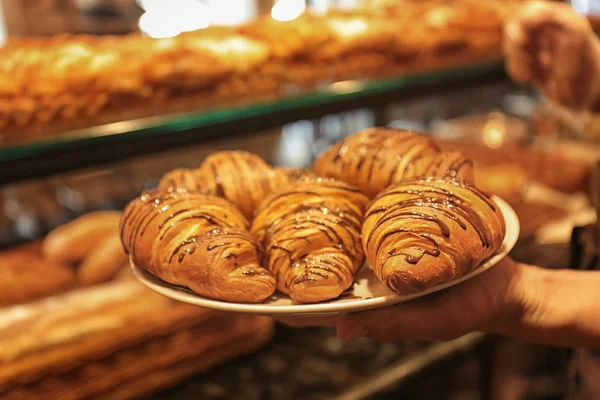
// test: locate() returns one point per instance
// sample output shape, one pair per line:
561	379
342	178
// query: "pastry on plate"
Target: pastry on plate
197	241
311	238
297	174
243	178
377	157
186	180
424	232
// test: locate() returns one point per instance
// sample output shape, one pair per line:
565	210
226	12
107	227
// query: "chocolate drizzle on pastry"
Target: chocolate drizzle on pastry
445	202
182	179
375	158
242	178
449	165
197	241
451	222
311	238
311	233
298	174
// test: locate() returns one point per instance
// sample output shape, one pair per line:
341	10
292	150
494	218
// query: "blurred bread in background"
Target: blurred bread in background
25	275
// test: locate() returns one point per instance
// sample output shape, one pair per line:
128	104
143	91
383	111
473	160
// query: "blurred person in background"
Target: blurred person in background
551	47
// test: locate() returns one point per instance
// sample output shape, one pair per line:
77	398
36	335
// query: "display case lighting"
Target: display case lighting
288	10
494	131
163	19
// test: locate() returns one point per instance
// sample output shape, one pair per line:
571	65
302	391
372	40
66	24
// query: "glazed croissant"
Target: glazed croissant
423	232
297	174
375	158
197	241
242	178
311	238
185	180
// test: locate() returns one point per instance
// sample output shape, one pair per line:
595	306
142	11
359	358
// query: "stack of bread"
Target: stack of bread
73	325
79	80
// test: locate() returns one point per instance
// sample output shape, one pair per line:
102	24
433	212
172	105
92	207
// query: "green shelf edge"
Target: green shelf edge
165	124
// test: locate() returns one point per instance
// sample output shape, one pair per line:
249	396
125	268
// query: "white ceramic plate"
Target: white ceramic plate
368	292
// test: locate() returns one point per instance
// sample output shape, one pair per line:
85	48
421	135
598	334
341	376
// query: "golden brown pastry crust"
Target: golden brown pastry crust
375	158
423	232
238	52
241	177
103	262
297	174
445	28
459	26
187	180
71	242
25	275
353	33
372	158
197	241
311	238
451	164
508	181
73	81
287	39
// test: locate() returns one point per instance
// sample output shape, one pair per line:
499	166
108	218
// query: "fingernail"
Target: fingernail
349	332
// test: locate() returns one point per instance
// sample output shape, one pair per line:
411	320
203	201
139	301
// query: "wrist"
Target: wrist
512	301
553	307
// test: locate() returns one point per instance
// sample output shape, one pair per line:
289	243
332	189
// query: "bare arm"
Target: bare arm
560	308
564	309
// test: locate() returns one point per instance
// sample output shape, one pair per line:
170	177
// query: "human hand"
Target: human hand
549	45
498	300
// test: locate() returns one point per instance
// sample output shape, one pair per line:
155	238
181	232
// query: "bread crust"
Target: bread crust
311	238
197	241
375	158
424	232
71	242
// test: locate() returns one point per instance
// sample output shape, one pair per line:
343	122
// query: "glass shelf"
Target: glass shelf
47	155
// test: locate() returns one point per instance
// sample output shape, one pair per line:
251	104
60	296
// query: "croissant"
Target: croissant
183	179
243	178
423	232
197	241
311	238
375	158
450	164
297	174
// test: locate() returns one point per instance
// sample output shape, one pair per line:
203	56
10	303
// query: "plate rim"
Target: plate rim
184	295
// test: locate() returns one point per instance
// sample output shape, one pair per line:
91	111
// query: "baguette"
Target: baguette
104	261
71	242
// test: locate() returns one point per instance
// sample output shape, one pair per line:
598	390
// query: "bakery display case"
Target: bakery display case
62	95
38	206
89	122
36	156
